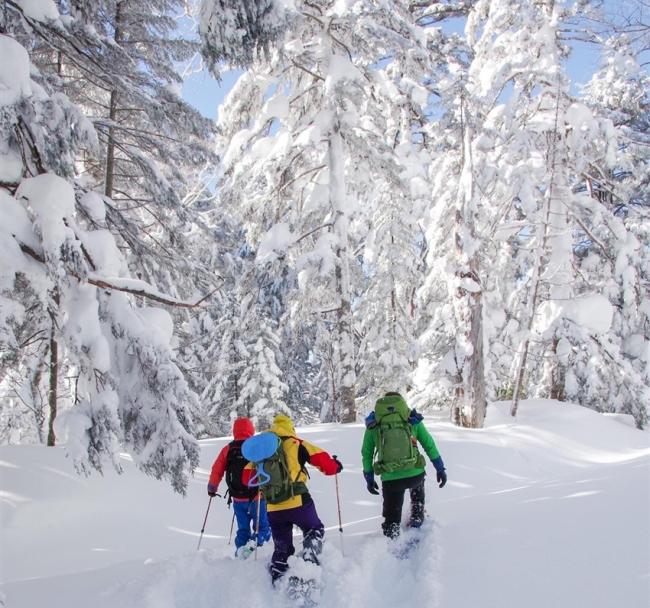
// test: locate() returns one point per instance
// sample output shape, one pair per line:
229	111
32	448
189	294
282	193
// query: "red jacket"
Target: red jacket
242	429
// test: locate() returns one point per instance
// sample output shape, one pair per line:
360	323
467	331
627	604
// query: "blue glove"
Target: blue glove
441	475
212	491
371	484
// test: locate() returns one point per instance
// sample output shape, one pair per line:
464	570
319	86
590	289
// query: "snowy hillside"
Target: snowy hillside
550	511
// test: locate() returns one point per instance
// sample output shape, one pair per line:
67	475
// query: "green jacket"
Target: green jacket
420	432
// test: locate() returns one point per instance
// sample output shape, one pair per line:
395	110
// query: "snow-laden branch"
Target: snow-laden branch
135	287
141	288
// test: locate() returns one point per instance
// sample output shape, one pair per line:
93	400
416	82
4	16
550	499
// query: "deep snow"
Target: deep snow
548	511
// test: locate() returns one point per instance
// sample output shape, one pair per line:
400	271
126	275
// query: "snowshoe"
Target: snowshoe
304	592
414	522
403	546
417	518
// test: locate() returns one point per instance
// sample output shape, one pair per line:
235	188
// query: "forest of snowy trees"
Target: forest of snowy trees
404	195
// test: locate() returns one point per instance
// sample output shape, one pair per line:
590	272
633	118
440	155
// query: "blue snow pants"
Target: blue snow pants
246	515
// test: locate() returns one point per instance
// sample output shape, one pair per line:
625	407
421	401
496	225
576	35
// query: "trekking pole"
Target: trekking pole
232	525
206	519
257	520
338	505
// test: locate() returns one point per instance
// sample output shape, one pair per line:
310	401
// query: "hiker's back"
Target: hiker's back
235	464
395	443
287	476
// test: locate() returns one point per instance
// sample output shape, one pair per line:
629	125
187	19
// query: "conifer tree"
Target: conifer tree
69	301
611	372
306	136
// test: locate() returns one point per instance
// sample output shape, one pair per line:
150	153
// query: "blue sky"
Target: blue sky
205	93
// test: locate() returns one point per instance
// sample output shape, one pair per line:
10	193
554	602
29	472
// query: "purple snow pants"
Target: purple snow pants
282	522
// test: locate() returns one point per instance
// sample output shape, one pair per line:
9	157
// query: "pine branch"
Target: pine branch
106	283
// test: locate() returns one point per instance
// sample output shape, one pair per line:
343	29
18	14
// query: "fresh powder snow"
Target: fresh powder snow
548	510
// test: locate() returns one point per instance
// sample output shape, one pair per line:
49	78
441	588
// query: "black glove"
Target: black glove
371	484
339	466
212	491
441	476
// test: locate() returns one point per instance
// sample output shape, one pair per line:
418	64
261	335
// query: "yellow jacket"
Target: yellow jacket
298	452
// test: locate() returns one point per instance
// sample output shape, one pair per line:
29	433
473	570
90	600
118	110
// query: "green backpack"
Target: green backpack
395	443
266	451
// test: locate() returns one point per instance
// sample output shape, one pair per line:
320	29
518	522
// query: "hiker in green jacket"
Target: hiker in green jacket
391	437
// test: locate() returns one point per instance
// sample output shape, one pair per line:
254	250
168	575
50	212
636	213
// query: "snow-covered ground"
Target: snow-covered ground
550	511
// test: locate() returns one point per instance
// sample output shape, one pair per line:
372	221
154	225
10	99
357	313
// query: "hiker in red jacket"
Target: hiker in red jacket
245	500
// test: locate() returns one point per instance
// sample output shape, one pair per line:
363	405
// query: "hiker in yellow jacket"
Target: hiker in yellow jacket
298	509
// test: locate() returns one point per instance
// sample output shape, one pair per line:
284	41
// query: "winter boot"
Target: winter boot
417	506
417	515
244	551
391	529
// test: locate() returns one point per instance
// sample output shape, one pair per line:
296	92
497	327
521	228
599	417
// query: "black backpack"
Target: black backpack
235	463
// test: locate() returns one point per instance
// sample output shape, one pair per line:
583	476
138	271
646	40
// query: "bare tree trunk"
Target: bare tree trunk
535	280
470	404
112	115
555	242
110	148
345	338
328	412
348	379
54	376
39	410
519	379
558	375
476	369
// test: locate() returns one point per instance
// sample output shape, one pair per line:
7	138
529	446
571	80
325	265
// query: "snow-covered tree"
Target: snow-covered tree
67	295
262	391
393	245
612	374
235	32
117	61
446	365
451	294
307	137
535	150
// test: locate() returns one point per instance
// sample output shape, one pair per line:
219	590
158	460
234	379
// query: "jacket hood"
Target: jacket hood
282	426
243	428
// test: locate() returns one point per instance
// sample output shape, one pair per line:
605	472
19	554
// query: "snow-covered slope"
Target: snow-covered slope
549	511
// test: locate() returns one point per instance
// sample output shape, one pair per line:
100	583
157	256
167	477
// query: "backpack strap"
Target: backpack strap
302	464
415	417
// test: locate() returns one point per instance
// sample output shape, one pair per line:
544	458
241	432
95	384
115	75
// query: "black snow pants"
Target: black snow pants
393	495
